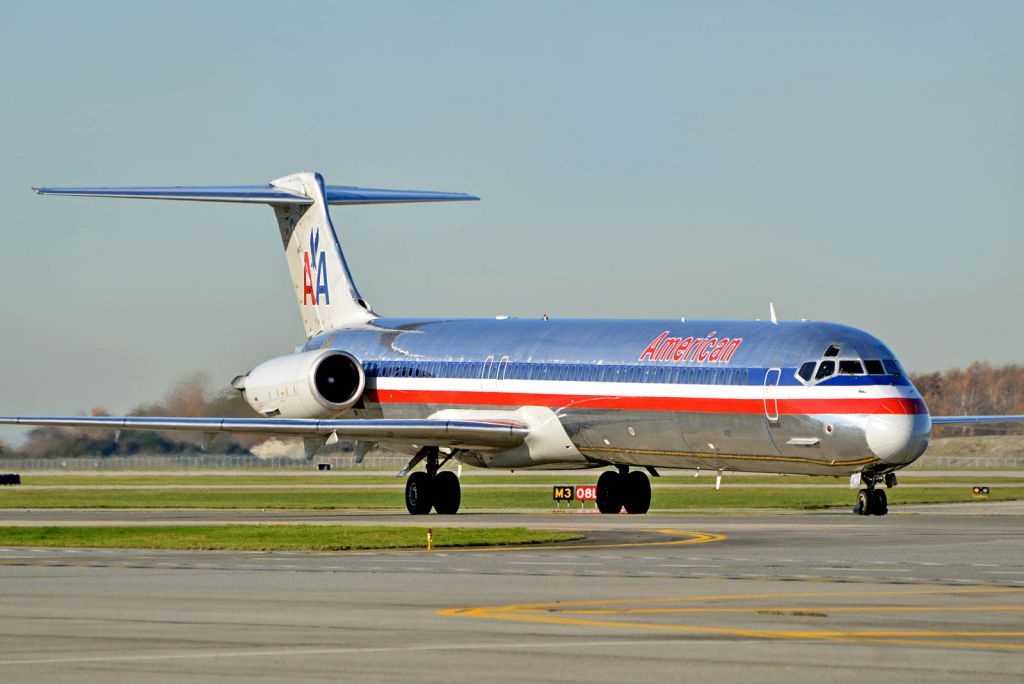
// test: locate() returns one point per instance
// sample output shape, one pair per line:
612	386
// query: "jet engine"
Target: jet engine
316	384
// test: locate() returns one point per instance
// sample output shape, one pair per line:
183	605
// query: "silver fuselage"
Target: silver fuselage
677	394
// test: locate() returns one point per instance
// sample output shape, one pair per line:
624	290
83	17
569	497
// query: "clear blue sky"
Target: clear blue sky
855	162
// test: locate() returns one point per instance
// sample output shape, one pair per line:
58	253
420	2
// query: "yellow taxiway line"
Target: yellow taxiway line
598	614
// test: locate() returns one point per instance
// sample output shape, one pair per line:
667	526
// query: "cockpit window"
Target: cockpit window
851	367
891	367
826	369
806	371
833	350
874	367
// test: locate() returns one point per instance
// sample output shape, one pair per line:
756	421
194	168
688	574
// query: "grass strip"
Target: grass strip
272	537
339	478
490	498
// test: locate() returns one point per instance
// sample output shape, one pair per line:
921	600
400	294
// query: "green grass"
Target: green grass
481	498
271	537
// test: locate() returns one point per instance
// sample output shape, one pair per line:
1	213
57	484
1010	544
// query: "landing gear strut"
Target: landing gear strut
432	489
871	501
623	489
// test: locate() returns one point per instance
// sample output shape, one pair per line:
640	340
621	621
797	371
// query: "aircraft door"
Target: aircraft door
771	395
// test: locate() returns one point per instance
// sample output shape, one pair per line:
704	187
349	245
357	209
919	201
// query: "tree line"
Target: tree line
977	390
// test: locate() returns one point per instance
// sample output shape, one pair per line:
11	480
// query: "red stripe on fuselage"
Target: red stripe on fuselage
894	405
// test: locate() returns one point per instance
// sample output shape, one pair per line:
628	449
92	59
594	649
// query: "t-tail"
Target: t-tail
327	295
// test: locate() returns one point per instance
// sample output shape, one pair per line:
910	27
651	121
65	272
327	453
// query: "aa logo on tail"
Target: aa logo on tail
314	263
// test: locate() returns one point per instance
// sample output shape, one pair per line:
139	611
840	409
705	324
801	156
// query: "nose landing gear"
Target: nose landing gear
871	501
623	489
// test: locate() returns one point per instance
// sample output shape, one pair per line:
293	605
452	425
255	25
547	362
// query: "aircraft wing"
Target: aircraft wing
461	434
967	420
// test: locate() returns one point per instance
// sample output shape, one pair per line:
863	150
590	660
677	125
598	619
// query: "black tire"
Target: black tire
447	493
419	493
880	505
609	492
636	492
864	501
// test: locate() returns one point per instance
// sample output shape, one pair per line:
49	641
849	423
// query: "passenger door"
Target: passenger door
771	395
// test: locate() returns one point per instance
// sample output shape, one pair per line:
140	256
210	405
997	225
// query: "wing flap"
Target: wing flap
463	434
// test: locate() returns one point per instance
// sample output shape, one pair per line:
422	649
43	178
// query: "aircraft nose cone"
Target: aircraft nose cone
897	438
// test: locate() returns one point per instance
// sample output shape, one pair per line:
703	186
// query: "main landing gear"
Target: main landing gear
622	488
432	489
871	501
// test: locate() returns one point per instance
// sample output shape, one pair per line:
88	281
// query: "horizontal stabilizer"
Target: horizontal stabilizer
968	420
464	434
263	194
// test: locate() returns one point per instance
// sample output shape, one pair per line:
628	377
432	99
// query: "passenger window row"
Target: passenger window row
557	371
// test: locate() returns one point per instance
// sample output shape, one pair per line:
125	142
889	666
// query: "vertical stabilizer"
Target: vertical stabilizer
324	288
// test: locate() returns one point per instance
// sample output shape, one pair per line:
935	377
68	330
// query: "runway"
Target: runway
924	594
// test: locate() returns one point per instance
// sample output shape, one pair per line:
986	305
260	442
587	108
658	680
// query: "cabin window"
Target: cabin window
825	369
806	371
851	367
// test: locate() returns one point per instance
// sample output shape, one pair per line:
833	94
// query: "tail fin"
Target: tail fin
324	288
315	259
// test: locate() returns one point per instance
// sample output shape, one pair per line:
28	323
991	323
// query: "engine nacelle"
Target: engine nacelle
316	384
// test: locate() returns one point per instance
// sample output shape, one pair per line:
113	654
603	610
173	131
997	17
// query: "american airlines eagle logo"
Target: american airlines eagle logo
314	273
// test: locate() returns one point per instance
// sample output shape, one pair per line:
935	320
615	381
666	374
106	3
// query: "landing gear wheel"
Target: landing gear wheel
609	492
419	494
447	493
879	503
865	502
636	492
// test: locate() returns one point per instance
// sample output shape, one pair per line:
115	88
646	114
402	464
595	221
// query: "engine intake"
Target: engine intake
315	384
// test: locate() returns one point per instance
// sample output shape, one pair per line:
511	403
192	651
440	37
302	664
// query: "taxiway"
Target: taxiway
924	594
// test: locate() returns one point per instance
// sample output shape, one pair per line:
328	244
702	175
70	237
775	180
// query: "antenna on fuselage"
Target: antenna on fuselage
771	310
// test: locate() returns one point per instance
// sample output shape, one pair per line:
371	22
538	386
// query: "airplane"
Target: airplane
788	397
